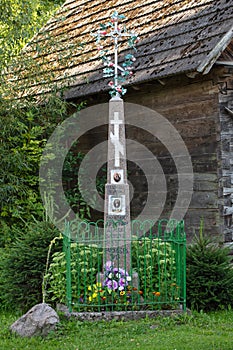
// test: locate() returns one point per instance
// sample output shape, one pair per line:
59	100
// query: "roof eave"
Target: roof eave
212	57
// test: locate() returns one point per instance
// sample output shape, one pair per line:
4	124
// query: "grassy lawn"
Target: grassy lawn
212	331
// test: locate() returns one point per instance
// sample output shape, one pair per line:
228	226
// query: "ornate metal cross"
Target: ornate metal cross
117	223
113	31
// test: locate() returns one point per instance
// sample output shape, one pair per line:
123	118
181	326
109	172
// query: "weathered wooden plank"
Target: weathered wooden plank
211	223
173	93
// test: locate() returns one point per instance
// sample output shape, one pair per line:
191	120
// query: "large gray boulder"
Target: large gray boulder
39	320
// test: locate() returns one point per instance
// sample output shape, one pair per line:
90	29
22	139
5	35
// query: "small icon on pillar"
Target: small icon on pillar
117	176
116	205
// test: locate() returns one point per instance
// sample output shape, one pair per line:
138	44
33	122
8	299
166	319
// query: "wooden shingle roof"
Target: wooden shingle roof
176	36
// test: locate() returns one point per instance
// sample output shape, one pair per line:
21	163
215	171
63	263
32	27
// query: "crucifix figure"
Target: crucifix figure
117	233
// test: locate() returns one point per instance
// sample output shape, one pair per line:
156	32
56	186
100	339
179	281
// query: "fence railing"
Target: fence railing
147	271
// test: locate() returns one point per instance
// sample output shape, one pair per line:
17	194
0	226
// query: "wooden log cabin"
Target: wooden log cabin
183	71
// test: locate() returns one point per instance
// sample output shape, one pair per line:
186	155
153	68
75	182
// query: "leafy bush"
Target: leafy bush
24	133
84	267
22	266
209	275
155	264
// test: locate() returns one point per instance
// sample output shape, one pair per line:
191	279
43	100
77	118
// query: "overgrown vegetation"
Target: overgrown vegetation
155	262
25	123
23	134
22	265
84	267
24	131
27	119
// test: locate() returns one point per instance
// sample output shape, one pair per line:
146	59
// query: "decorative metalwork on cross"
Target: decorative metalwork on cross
113	31
117	223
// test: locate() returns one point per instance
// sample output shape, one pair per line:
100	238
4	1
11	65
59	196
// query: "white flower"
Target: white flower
110	275
121	288
128	278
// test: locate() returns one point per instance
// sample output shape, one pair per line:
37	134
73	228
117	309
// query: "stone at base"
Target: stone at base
124	315
38	321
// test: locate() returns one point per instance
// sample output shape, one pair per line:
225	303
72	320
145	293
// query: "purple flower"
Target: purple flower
108	266
123	272
122	282
115	278
120	271
112	284
115	270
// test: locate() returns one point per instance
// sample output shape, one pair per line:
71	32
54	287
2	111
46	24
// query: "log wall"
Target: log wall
192	106
226	158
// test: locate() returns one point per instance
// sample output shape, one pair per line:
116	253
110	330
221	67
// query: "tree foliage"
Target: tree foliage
26	122
19	21
23	134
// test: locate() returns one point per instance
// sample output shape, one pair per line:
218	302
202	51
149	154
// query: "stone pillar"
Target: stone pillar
117	236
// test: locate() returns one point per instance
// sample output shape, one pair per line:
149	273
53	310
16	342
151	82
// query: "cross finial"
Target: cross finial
114	32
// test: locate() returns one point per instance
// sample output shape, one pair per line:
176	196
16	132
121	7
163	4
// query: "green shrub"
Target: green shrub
154	261
84	267
22	266
24	132
209	275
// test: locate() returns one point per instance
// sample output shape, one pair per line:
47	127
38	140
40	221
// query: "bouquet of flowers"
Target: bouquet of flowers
116	278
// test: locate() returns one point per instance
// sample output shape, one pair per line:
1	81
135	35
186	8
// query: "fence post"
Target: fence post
66	248
182	239
184	272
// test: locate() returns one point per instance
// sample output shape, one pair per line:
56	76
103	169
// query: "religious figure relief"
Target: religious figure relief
116	205
117	176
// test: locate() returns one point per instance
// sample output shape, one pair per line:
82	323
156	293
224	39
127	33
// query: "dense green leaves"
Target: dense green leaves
155	262
85	261
24	124
22	265
19	21
209	275
23	134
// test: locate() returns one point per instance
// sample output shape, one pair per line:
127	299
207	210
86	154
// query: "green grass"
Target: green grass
212	331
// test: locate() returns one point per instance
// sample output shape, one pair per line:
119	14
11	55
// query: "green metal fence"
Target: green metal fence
147	271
